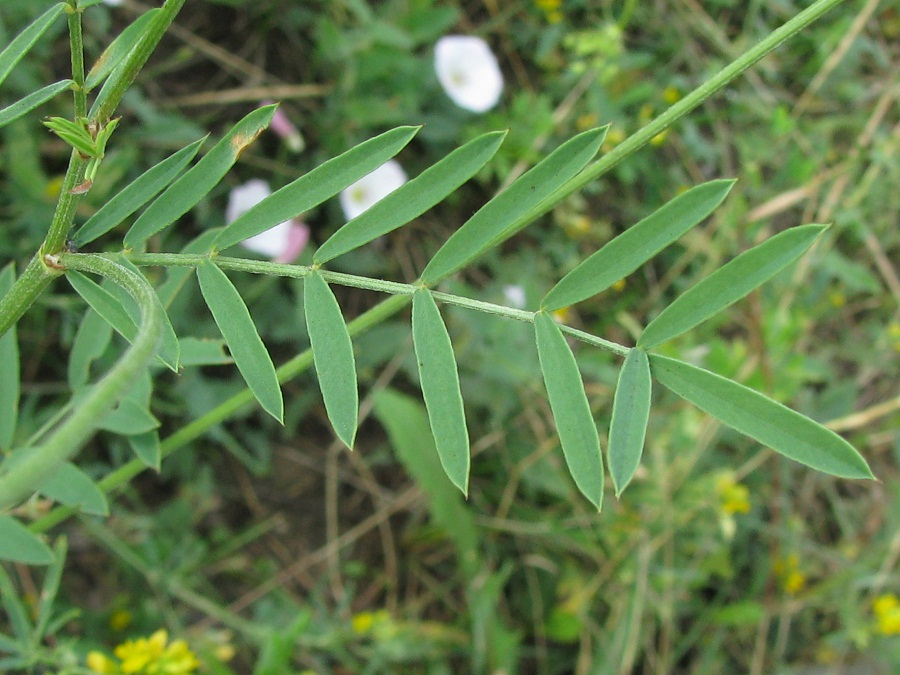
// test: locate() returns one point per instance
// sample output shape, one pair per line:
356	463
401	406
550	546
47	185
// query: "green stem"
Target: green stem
76	46
33	280
20	480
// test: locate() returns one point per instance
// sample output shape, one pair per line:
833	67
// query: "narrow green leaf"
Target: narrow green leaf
784	430
333	355
118	49
248	350
184	193
729	283
16	110
315	187
104	303
571	411
49	589
504	215
129	418
406	423
91	340
636	245
200	352
631	410
19	545
440	388
71	486
413	198
9	369
17	614
25	40
140	191
146	447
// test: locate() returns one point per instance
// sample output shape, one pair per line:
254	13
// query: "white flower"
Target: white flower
369	189
515	296
113	3
468	72
283	242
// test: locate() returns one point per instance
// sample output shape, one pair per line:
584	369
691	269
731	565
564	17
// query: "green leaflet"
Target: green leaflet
140	191
784	430
19	545
315	187
147	449
440	388
333	355
118	49
196	183
129	417
729	283
248	350
628	426
406	423
25	40
16	110
571	411
505	214
414	198
71	486
203	352
9	369
637	245
91	340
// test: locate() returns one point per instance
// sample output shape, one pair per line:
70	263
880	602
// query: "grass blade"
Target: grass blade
118	49
637	245
132	197
25	40
315	187
247	348
571	411
413	198
729	283
333	356
9	370
440	388
784	430
19	545
631	410
16	110
505	214
71	486
185	192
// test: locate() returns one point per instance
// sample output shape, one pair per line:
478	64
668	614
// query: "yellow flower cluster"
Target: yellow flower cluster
734	497
887	614
793	580
551	10
146	656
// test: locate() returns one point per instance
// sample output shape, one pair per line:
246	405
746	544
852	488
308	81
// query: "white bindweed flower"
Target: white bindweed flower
283	242
515	296
282	127
369	189
468	72
112	3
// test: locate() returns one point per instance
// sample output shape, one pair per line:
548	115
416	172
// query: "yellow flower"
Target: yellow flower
550	8
152	656
120	620
561	315
735	498
793	580
671	95
887	614
101	663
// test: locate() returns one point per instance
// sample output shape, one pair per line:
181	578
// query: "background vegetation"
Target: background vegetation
274	548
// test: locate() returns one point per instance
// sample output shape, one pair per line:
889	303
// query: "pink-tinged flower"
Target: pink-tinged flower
369	189
283	242
285	129
467	70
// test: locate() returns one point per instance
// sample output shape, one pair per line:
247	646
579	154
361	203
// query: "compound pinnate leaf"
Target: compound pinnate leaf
571	411
118	49
413	198
729	283
15	110
312	189
440	388
237	327
333	356
507	213
71	486
628	426
9	370
25	40
18	544
140	191
784	430
196	183
637	245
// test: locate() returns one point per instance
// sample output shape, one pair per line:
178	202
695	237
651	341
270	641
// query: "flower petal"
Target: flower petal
468	71
369	189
